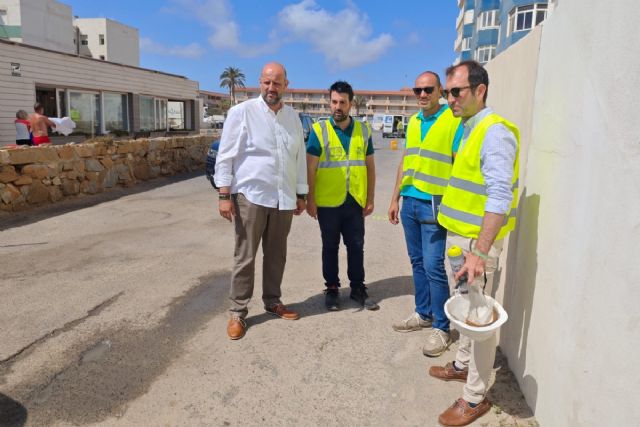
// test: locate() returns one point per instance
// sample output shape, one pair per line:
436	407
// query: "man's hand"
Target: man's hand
227	210
394	210
368	209
473	267
300	206
312	209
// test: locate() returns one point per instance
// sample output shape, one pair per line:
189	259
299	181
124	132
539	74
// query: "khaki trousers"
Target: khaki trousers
477	356
255	223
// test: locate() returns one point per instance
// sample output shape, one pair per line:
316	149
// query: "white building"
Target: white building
108	40
43	23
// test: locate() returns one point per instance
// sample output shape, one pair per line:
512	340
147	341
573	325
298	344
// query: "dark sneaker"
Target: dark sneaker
361	297
331	299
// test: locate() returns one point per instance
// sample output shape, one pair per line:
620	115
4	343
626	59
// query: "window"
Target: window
524	18
115	111
84	110
488	19
175	110
147	113
485	54
84	40
153	113
466	43
3	16
101	39
102	57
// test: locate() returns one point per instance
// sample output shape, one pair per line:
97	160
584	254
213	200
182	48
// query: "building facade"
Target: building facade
108	40
214	101
43	23
316	101
488	27
101	97
50	25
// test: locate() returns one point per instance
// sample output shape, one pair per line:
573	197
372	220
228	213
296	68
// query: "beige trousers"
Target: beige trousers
253	224
477	356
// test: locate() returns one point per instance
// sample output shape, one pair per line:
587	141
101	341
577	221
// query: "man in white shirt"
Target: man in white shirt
262	174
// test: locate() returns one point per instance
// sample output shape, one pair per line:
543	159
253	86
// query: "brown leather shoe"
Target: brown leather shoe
448	373
281	311
236	328
461	414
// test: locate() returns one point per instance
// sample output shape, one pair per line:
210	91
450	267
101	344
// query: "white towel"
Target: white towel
64	125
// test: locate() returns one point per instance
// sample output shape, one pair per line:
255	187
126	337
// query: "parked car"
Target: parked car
210	166
307	122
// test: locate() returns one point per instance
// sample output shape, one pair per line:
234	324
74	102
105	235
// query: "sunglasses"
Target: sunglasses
428	90
454	91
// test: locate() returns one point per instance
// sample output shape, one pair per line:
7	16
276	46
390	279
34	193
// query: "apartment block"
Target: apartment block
488	27
316	101
108	40
44	23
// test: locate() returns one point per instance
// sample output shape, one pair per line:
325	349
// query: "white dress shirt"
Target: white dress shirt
262	155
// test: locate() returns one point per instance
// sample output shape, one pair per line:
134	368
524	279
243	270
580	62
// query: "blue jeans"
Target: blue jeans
345	220
426	245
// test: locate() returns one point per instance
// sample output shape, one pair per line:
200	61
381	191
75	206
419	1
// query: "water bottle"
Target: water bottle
456	260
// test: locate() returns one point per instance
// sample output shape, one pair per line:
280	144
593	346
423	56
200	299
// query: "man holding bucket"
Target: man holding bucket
478	210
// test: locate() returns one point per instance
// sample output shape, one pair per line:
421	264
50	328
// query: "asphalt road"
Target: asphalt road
113	312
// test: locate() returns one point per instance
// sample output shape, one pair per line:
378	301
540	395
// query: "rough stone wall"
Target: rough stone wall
31	176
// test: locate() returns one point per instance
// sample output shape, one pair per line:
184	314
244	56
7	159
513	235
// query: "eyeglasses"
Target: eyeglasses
454	91
428	90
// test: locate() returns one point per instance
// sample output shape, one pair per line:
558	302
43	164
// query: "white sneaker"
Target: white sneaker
437	343
411	323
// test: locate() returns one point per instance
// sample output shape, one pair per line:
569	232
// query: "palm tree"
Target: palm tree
359	102
232	78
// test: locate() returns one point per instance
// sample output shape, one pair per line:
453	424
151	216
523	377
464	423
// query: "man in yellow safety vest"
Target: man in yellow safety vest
478	210
433	135
341	178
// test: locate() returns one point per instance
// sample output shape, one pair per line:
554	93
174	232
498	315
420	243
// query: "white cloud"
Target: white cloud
192	50
413	38
225	32
344	38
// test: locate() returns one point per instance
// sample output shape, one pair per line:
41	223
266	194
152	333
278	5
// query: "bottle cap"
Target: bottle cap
454	251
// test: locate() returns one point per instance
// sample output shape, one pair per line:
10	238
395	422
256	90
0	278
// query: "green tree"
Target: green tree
232	78
359	102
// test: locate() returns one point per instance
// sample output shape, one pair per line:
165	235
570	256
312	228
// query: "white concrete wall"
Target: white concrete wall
91	28
47	24
123	44
573	289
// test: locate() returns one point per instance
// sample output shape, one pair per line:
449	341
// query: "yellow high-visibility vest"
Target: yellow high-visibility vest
427	162
340	172
462	208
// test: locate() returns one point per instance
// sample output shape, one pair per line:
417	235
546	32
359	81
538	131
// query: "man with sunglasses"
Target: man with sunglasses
432	137
478	210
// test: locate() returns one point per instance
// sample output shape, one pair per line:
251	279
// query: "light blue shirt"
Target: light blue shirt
497	162
425	125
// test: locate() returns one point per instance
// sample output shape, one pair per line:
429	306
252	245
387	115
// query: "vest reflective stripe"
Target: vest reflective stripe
462	207
340	171
427	162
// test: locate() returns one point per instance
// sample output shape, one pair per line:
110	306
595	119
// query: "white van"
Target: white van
390	126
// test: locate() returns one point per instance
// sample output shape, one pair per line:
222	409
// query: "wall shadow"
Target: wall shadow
39	213
12	413
521	270
314	305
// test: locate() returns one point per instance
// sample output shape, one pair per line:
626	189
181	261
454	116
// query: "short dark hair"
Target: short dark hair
477	75
37	106
342	87
434	74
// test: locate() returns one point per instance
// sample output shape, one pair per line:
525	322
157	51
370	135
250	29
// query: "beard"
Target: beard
271	98
339	116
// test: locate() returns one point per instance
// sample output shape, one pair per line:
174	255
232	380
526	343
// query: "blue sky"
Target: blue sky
374	45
